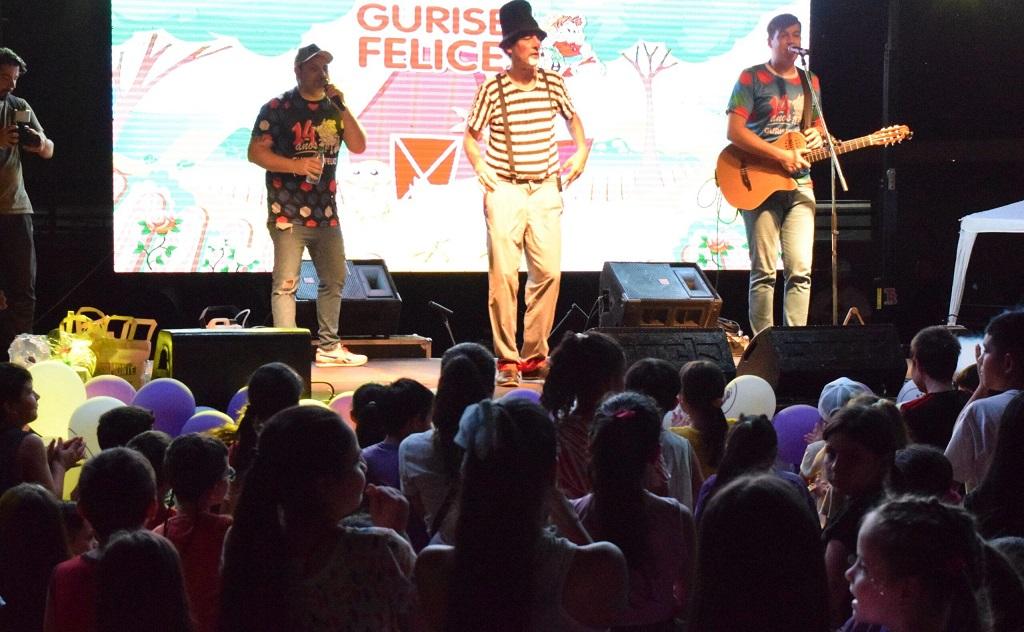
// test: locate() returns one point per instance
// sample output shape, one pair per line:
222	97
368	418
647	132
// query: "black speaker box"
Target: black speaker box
678	345
215	363
641	294
370	303
799	361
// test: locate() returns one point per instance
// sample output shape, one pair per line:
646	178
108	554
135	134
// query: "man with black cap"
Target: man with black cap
521	177
297	138
21	133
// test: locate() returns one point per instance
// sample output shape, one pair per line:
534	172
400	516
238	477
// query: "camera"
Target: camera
22	119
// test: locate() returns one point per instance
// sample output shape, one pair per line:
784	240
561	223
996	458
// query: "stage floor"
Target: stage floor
330	381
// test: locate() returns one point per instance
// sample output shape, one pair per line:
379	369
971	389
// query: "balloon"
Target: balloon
171	401
205	420
71	481
60	392
200	409
791	424
342	404
86	418
110	386
748	395
522	393
238	402
908	392
312	402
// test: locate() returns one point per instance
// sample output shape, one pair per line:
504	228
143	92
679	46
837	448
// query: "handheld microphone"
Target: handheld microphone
796	50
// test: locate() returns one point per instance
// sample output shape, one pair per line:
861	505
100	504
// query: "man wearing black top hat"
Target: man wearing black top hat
297	138
521	177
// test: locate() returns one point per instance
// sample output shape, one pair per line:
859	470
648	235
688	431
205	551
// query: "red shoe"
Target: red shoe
535	369
508	374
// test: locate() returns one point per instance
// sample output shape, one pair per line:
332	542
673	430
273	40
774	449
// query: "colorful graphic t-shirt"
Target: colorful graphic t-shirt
301	128
771	105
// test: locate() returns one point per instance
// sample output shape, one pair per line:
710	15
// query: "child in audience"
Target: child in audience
1001	371
272	387
584	369
23	455
369	424
139	586
81	537
656	535
700	395
934	352
922	470
997	502
759	562
751	448
119	425
32	543
659	380
152	444
288	563
505	571
920	565
117	492
860	446
404	408
430	462
199	475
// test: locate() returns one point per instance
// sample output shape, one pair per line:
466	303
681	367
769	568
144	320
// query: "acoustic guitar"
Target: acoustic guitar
746	180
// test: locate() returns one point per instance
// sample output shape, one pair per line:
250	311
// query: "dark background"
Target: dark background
956	78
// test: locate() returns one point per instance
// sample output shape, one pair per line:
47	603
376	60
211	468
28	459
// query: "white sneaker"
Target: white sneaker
338	355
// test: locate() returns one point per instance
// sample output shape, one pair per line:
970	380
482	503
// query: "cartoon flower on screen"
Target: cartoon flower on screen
155	231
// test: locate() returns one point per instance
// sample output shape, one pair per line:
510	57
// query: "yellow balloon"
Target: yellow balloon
60	393
71	481
312	402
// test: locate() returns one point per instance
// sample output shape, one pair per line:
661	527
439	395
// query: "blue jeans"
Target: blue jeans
327	250
17	277
786	221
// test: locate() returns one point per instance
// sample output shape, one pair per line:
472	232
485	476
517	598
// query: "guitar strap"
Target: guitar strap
805	121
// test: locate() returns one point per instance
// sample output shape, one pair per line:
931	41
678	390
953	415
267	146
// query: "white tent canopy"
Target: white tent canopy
1005	219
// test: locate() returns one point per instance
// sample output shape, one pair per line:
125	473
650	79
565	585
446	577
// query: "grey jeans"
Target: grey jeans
786	221
327	250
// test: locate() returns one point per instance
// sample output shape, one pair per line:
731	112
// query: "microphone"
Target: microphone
796	50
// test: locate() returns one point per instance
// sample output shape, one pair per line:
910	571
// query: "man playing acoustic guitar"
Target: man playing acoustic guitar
766	103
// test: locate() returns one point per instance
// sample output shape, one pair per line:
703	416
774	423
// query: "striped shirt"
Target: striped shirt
531	119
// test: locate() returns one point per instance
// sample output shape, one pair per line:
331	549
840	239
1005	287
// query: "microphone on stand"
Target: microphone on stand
796	50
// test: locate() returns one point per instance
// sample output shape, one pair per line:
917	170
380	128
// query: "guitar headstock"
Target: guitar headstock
891	135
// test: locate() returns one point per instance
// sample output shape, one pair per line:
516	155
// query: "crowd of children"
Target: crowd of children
594	509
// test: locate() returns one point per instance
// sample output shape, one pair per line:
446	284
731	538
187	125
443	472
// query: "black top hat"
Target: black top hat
517	21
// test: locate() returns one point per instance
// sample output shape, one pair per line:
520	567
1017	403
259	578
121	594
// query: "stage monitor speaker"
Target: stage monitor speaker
215	363
674	294
675	344
799	361
370	303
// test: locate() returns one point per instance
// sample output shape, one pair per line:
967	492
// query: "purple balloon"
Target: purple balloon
205	420
791	424
238	401
523	393
110	386
171	401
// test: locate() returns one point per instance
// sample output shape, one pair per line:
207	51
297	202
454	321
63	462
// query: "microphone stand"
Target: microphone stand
444	313
836	170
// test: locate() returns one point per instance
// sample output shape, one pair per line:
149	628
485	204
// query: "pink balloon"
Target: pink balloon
791	424
342	404
110	386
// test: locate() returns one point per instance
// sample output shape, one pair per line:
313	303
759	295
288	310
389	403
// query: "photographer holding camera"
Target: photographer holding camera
21	133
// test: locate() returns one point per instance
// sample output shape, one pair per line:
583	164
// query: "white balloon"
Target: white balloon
748	395
86	419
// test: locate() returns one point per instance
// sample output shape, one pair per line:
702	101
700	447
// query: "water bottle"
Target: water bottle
314	179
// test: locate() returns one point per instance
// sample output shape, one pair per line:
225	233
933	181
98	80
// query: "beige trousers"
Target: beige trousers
523	218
